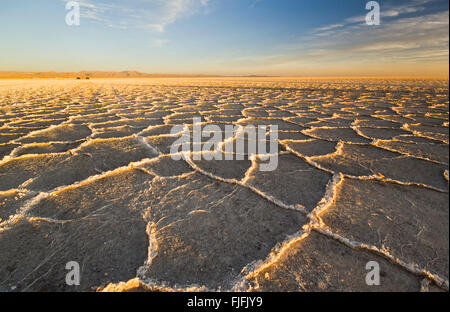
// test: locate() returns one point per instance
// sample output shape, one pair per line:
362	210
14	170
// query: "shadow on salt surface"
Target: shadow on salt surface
367	160
336	134
312	147
381	133
48	171
294	182
318	263
226	169
44	148
59	133
93	224
203	231
410	222
11	201
116	132
209	238
433	132
7	149
427	151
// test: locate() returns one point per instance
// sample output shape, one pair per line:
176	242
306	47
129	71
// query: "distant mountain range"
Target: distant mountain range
100	74
90	74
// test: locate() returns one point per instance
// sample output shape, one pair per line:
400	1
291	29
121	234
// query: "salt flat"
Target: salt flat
86	176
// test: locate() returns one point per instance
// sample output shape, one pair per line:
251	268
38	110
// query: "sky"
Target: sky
228	37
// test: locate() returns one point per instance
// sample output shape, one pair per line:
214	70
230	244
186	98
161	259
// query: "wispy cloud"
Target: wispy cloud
254	3
402	33
408	34
387	12
148	15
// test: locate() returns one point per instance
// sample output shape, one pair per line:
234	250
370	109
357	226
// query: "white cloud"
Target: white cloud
386	11
408	39
327	28
149	15
401	37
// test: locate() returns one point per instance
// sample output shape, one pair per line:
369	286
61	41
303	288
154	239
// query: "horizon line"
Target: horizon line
102	74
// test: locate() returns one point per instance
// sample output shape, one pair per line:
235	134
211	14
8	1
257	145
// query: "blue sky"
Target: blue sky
229	37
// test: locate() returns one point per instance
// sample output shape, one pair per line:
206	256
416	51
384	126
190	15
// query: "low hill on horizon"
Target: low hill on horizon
91	74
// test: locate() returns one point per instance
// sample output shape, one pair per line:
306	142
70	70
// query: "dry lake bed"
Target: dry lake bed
86	175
